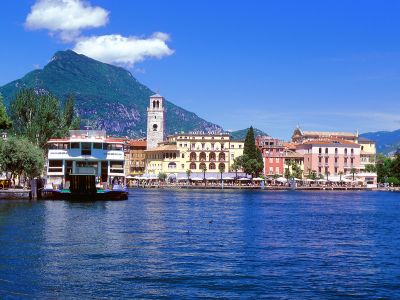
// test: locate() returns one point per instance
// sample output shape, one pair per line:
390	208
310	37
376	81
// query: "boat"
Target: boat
88	165
83	188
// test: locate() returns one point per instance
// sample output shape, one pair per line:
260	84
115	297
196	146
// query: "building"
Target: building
299	136
85	152
155	121
135	157
272	151
329	156
194	151
368	152
277	155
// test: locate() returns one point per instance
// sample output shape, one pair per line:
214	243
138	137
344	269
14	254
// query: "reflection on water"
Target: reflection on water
202	244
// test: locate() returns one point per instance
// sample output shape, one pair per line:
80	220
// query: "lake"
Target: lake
203	244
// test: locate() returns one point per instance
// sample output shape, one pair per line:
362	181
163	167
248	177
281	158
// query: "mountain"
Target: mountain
106	96
386	141
240	135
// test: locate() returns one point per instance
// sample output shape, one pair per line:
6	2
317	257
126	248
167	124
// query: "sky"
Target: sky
322	65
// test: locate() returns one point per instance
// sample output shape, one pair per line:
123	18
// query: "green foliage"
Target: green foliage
296	170
312	174
188	173
18	156
69	118
251	161
5	122
221	168
393	181
383	167
39	117
162	176
370	168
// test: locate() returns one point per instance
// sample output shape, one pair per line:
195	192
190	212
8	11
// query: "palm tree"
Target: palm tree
204	168
353	171
188	173
340	175
221	170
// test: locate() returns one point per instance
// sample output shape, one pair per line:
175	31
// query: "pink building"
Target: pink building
273	154
330	156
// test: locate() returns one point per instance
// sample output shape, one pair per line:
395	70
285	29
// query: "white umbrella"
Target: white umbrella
196	179
244	179
310	180
211	178
258	179
321	180
281	179
228	178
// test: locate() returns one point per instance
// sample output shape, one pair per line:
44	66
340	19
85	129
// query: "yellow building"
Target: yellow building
194	152
368	152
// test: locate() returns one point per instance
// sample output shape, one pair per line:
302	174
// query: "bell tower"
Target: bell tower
155	121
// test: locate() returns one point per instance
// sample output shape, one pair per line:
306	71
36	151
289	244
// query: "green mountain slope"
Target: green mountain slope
387	142
106	96
241	134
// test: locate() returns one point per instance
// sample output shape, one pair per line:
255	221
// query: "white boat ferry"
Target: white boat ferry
86	152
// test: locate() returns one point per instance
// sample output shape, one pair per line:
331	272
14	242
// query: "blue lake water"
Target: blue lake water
197	244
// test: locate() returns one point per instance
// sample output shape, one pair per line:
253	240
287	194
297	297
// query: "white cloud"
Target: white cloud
125	51
65	18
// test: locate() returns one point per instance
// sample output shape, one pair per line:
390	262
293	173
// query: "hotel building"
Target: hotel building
329	156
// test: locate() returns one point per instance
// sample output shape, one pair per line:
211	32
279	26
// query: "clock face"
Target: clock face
155	127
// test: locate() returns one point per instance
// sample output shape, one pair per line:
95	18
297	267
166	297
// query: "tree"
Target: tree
251	161
188	173
20	157
221	170
312	174
162	176
204	169
395	166
353	171
370	168
235	166
69	118
39	117
5	122
340	175
297	172
383	167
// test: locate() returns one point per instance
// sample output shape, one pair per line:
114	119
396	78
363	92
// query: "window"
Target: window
320	150
326	150
192	166
240	146
277	159
55	166
86	149
172	165
97	146
155	127
212	166
75	146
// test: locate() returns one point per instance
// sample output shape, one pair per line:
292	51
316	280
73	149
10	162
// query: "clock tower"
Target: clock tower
155	121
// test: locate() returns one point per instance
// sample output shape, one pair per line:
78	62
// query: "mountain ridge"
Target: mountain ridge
106	96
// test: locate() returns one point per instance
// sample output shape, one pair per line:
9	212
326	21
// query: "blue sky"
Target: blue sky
325	65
